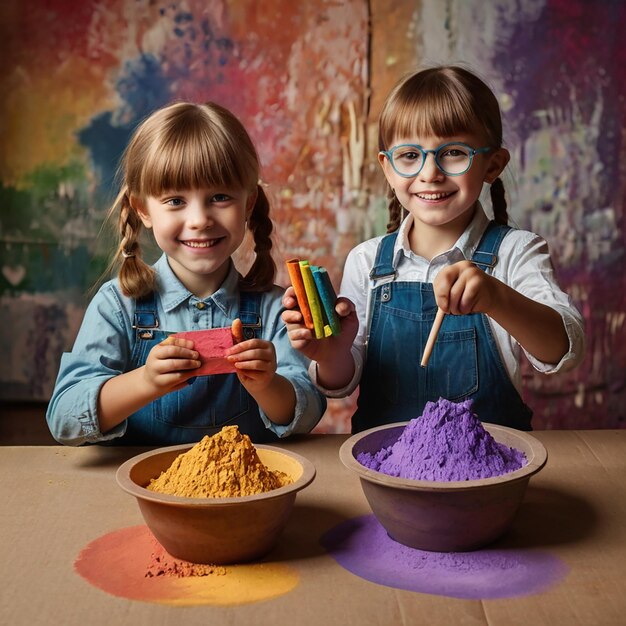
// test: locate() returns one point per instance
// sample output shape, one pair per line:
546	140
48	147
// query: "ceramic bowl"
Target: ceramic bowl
443	516
215	530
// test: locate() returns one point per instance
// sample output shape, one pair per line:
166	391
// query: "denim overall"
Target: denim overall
207	403
465	362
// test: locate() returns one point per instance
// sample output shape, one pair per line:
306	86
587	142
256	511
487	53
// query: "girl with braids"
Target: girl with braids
190	175
440	136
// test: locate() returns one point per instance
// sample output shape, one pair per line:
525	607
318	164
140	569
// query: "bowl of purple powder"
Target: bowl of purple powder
444	481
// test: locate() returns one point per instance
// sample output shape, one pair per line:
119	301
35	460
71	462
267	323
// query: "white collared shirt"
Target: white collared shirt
523	263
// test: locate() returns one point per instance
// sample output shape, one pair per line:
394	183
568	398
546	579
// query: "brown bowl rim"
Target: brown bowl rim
127	484
540	457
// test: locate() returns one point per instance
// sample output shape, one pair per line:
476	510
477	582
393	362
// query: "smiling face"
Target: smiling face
191	174
198	230
435	199
429	108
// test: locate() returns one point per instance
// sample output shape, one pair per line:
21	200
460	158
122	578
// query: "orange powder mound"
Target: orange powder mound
225	465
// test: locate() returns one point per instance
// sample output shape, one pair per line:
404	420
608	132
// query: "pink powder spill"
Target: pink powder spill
448	442
362	546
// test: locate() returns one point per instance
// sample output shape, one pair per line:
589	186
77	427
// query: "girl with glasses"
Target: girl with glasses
440	141
190	176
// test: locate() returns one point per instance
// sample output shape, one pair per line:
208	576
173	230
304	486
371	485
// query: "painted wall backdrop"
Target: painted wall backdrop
308	80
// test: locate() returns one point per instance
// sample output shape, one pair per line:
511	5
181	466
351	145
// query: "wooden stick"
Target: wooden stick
432	337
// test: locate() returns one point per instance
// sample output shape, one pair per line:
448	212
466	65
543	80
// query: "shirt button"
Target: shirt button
200	305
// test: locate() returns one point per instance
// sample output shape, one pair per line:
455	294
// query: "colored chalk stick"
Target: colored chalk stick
313	299
328	298
295	275
211	345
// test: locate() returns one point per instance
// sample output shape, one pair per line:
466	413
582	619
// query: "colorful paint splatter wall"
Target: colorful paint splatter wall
308	80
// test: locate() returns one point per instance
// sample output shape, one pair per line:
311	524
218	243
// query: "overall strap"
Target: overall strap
383	264
250	313
486	254
145	320
382	268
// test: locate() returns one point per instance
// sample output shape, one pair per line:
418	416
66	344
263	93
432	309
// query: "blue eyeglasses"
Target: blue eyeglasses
453	159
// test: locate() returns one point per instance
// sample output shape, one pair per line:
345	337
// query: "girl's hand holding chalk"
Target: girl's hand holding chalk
303	339
315	296
170	364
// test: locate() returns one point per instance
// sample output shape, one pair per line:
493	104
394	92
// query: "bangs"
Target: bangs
191	151
438	116
435	106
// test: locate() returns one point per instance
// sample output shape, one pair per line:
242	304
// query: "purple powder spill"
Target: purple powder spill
448	442
361	545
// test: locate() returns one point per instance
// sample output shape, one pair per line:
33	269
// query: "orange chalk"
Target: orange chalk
236	329
293	266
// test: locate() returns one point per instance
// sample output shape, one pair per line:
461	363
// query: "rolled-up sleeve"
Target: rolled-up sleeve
100	352
574	327
531	272
292	365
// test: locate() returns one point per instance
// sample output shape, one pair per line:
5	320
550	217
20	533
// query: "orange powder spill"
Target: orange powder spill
120	564
222	466
162	564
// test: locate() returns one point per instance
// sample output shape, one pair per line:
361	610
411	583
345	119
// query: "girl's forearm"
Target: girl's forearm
538	328
334	359
337	372
121	396
278	400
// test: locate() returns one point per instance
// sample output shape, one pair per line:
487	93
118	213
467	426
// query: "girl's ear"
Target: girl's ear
251	201
387	169
498	160
137	206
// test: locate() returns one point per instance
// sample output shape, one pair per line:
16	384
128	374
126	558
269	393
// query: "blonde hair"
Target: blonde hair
188	146
442	101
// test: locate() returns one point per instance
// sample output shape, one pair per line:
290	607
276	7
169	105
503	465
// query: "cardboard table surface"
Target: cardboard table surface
56	500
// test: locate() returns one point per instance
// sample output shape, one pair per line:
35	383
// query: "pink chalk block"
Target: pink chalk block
212	345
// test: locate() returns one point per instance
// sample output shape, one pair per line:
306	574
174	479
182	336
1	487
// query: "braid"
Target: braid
261	275
498	202
136	277
396	212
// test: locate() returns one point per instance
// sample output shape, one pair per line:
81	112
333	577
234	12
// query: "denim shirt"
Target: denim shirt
103	349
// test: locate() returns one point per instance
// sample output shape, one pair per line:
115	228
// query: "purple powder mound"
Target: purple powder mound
448	442
362	546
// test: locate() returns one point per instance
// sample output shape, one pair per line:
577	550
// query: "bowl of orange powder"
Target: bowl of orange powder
223	500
